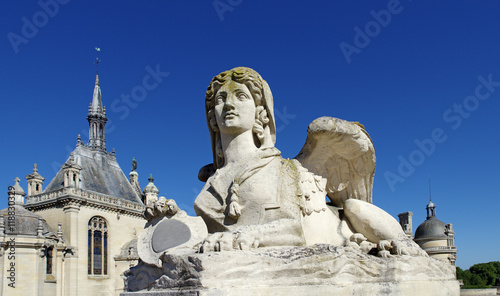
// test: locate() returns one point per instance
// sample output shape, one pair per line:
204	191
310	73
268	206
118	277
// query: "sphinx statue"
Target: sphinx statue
268	225
253	197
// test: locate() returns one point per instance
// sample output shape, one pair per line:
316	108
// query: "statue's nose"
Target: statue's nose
230	101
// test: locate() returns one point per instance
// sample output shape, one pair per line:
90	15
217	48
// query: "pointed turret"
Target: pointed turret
97	118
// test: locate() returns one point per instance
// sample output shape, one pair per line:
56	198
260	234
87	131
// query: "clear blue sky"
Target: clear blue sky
409	71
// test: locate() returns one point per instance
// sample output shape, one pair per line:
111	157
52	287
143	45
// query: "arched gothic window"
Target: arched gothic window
98	246
49	257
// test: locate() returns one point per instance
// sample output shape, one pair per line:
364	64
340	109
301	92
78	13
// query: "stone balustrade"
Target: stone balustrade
437	249
89	146
107	200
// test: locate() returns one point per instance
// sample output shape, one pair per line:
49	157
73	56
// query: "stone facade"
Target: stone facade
96	211
30	254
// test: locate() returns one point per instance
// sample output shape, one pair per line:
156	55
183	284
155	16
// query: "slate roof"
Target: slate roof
100	173
431	228
26	222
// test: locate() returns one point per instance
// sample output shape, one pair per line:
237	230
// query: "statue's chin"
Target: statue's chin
231	127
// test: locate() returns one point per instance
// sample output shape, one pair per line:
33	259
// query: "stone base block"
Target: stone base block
478	292
316	270
416	288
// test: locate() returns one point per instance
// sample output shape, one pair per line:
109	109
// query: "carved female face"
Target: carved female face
234	108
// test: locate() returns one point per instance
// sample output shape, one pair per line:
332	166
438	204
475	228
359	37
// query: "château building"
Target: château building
433	236
79	234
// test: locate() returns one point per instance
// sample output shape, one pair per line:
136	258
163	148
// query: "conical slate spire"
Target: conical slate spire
96	106
97	117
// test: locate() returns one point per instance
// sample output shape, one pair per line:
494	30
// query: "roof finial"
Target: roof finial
35	169
430	197
97	49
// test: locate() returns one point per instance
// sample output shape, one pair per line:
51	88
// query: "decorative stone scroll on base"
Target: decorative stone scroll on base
173	231
317	270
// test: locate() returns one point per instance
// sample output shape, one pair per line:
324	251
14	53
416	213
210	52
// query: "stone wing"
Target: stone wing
343	153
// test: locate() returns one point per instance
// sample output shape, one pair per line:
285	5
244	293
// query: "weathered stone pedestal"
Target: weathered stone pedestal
317	270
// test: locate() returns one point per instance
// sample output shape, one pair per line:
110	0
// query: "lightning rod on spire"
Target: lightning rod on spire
97	49
430	197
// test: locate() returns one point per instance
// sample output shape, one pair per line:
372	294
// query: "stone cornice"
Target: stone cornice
440	249
78	197
126	258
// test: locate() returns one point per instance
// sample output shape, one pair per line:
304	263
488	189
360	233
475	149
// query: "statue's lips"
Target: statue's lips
230	115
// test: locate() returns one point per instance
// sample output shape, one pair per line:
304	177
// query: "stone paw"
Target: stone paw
357	238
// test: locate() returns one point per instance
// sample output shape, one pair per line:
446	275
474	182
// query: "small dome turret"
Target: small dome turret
17	189
150	191
432	227
16	193
436	237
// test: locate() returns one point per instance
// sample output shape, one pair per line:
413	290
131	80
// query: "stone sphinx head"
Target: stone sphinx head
264	129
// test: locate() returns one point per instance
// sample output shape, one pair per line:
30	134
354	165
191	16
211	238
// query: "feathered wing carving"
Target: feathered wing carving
343	153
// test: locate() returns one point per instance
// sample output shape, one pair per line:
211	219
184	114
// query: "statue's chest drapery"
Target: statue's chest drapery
260	195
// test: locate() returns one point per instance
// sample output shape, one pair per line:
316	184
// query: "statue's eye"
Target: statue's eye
219	100
242	96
